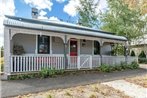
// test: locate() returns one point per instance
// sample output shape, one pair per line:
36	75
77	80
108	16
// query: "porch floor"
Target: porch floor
18	87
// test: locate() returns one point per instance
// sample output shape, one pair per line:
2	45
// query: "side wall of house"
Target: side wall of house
57	45
27	41
106	49
86	47
29	44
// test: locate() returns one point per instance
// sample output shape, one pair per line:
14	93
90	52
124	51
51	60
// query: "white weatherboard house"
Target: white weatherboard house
56	45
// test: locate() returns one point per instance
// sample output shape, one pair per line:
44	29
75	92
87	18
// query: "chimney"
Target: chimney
34	13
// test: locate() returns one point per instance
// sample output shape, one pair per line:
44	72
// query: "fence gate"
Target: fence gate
85	61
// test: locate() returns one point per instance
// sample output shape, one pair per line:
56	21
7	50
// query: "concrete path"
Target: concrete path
17	87
130	89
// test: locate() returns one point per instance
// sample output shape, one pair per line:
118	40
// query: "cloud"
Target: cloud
60	1
71	10
53	18
42	15
7	8
40	4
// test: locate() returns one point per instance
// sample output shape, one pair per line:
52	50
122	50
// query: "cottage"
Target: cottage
31	44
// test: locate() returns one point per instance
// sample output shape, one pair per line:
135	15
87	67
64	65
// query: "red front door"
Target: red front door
73	48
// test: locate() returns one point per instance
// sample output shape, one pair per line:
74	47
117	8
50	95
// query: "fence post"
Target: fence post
78	65
90	62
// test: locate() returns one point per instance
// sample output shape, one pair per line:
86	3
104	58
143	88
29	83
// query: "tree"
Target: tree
122	20
2	51
137	4
87	12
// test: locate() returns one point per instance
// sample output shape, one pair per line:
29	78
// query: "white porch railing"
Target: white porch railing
130	59
112	60
36	62
28	63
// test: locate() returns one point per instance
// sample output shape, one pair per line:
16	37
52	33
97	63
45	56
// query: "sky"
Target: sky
55	10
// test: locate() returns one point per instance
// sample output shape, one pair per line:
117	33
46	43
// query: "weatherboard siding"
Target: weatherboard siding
27	41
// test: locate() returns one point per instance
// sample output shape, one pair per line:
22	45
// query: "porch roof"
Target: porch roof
60	27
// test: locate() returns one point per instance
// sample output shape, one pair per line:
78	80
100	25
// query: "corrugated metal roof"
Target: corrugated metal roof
60	27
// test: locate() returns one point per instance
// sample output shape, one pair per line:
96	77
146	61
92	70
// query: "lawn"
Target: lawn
139	80
87	91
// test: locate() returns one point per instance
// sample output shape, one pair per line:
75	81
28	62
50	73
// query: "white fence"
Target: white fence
112	60
28	63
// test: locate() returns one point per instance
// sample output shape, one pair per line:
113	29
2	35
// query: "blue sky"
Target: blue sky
56	10
24	10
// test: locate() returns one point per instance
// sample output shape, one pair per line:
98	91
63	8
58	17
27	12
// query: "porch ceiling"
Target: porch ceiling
61	27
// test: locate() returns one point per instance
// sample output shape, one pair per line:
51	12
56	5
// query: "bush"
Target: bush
142	55
2	67
120	67
2	64
105	68
135	65
142	60
46	72
132	53
23	76
123	65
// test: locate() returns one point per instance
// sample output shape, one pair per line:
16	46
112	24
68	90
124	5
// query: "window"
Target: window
43	44
96	48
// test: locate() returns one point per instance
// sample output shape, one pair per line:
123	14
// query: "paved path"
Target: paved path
130	89
16	87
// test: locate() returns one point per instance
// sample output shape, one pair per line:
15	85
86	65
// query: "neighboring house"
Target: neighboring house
57	45
139	45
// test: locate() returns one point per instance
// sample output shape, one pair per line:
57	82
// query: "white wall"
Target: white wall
106	49
57	45
27	41
87	48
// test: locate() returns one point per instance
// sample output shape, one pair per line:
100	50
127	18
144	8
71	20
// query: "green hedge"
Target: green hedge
120	67
44	73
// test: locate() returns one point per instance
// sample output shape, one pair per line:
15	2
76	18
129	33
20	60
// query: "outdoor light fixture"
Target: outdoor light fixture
40	33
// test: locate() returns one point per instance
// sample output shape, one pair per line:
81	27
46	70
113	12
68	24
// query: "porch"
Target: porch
50	51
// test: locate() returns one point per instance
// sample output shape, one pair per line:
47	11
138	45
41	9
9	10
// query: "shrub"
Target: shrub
2	67
123	65
2	64
142	60
119	67
24	76
105	68
135	65
142	55
52	72
132	53
45	72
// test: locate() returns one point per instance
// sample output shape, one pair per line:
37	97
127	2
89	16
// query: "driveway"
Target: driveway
17	87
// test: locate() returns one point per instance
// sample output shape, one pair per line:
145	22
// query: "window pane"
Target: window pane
43	44
96	48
